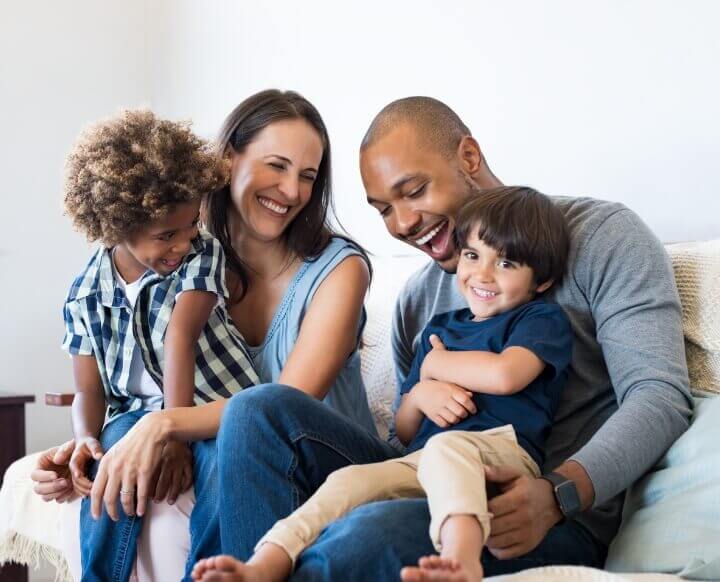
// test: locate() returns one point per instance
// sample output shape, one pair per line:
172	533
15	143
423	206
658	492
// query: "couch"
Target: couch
671	521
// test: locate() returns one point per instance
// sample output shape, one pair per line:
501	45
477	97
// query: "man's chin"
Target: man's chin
448	265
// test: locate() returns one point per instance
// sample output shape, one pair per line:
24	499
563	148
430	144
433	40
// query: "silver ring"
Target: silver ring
123	492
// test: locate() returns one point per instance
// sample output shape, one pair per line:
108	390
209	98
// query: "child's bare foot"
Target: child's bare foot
225	569
440	569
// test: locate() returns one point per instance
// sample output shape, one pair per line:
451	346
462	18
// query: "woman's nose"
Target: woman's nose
290	187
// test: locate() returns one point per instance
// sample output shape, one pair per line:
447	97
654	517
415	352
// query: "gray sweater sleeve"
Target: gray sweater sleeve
631	291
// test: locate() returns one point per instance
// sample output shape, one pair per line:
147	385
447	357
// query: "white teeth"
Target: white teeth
483	292
267	203
424	240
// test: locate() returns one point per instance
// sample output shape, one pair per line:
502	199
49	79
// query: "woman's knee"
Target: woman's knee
258	400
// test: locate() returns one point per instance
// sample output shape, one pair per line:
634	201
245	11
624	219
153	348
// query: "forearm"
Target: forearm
194	423
88	413
632	440
480	371
179	373
407	420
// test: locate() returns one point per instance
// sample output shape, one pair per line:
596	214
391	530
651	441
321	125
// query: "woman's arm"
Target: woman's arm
328	334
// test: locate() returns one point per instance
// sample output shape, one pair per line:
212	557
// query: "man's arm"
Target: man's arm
630	286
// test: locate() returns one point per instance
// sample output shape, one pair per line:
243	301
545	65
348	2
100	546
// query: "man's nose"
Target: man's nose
407	222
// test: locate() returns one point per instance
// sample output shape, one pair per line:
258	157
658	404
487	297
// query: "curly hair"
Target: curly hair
130	170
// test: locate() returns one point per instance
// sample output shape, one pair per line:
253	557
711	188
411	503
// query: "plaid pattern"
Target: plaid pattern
99	321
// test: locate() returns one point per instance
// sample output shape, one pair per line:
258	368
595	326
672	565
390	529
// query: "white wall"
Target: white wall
63	64
616	100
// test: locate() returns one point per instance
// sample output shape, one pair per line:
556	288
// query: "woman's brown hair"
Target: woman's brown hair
310	232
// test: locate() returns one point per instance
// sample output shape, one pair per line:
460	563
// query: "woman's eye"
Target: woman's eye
308	177
277	165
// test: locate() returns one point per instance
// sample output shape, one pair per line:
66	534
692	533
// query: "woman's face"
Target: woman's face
271	181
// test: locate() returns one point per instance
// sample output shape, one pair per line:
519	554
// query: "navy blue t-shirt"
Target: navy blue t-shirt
541	327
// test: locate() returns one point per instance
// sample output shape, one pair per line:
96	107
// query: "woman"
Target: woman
297	292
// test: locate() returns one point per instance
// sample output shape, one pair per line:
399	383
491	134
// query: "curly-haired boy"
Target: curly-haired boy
146	322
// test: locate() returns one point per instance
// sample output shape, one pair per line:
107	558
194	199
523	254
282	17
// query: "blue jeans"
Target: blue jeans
276	446
108	548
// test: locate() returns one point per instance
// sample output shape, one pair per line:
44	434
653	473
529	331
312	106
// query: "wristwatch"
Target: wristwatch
566	494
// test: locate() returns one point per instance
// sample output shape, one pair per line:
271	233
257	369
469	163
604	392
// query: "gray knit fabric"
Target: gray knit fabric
627	397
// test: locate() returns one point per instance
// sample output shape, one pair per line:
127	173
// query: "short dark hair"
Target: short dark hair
522	224
436	124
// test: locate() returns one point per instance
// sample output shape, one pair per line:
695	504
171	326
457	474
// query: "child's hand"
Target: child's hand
443	403
175	473
86	449
429	361
52	474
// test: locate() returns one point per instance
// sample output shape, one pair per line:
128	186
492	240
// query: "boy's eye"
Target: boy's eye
471	256
505	264
166	236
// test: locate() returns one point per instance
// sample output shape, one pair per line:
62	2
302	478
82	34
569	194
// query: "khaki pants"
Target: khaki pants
448	471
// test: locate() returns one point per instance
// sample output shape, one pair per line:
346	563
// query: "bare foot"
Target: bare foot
225	569
440	569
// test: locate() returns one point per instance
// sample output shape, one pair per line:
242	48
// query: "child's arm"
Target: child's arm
88	415
505	373
189	316
443	403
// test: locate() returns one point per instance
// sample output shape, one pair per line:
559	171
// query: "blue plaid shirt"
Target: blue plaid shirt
99	321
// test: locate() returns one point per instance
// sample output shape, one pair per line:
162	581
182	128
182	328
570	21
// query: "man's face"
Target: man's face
416	191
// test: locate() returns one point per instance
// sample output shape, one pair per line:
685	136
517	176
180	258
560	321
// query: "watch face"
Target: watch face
568	498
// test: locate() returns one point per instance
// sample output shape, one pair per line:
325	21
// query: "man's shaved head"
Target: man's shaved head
436	124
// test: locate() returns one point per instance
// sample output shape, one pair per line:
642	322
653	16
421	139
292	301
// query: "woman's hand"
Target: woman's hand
175	475
86	449
52	474
128	468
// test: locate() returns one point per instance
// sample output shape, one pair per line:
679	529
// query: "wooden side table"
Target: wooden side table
12	437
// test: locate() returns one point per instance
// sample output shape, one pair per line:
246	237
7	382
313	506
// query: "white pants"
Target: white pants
163	545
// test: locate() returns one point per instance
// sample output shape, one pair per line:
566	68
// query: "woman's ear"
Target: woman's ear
544	286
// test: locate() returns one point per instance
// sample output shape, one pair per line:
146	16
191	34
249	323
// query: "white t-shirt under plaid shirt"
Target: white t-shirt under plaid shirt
99	321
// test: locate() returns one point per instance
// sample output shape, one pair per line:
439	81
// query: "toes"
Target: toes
227	564
412	574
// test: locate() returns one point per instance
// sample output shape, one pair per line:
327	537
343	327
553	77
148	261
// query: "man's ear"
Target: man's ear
470	156
544	286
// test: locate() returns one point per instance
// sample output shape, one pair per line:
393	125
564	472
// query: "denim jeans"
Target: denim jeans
276	446
108	548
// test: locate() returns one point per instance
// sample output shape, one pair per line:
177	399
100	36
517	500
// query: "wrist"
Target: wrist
552	513
163	426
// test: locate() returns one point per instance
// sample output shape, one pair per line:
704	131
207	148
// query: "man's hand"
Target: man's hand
86	449
445	404
523	512
175	473
429	361
52	474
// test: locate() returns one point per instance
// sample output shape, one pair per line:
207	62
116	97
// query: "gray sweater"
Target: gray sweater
627	397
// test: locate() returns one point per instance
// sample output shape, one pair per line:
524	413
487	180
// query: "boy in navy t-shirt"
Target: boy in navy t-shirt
482	390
